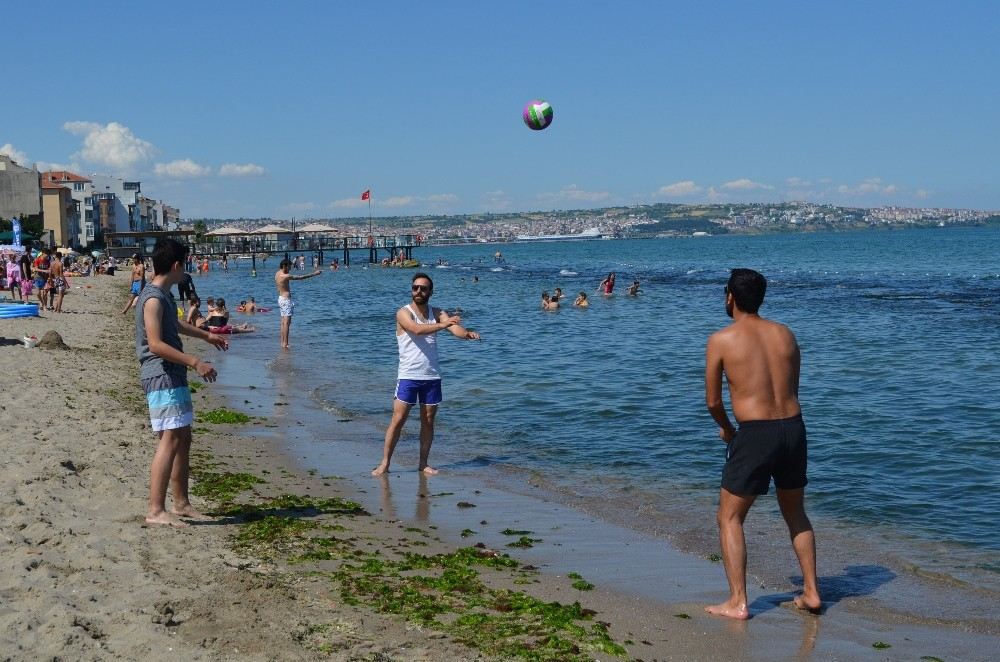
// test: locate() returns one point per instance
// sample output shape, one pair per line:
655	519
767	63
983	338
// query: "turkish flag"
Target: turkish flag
366	195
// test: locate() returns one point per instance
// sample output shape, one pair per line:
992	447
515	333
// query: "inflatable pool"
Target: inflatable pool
11	310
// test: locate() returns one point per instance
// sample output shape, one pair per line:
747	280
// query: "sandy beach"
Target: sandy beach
301	566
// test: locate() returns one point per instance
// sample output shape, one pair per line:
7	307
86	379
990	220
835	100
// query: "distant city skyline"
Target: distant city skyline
277	111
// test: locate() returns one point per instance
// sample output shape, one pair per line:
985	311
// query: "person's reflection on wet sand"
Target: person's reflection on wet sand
423	509
388	507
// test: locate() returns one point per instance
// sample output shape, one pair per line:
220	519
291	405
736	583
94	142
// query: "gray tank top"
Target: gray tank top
151	365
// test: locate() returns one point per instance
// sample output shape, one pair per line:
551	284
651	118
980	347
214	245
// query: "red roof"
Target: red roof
63	176
46	184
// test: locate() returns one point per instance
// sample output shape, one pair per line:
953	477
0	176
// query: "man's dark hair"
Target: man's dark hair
420	275
165	253
286	263
747	287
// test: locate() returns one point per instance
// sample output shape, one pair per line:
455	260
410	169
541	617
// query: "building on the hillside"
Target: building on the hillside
147	214
19	191
79	190
113	205
59	215
170	217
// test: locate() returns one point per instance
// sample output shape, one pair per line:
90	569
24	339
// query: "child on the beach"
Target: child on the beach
163	368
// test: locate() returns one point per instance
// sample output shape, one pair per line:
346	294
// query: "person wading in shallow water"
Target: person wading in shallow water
419	380
761	361
285	305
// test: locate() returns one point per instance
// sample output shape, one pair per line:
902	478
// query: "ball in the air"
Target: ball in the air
538	115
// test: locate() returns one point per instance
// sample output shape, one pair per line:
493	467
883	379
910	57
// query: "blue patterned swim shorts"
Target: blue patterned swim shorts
169	400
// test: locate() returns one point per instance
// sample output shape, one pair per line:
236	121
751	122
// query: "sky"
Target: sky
293	109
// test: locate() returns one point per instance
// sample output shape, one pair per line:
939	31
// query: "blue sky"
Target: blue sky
231	109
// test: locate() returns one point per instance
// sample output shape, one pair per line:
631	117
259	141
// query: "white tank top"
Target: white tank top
418	355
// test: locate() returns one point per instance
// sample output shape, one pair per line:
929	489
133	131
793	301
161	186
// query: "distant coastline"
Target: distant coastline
639	222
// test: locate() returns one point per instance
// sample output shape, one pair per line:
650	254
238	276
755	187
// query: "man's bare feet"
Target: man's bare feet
429	470
166	519
380	470
189	512
811	604
729	610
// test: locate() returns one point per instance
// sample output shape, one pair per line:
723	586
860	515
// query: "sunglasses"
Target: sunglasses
420	288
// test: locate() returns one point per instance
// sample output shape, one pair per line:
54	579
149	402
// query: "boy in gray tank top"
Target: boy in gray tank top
163	369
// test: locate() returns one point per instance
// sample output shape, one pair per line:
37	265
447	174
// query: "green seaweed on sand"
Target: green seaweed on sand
524	542
467	532
931	658
515	532
583	585
272	529
881	645
714	558
222	416
195	386
293	504
221	487
682	615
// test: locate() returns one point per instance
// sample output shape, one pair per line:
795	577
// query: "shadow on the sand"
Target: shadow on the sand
855	581
9	342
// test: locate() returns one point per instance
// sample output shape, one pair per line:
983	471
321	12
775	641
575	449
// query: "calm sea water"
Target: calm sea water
900	335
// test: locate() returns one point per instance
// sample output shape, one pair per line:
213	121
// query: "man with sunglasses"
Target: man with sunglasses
760	360
419	378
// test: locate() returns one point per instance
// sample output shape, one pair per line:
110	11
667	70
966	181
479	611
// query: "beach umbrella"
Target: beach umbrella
272	229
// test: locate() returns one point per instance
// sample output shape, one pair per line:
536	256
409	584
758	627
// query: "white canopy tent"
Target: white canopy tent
222	232
316	227
272	229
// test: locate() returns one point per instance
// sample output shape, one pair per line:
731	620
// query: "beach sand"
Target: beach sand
82	577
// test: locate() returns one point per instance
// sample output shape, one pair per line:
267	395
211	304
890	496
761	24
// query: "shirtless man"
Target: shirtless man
281	278
58	283
419	376
760	359
138	281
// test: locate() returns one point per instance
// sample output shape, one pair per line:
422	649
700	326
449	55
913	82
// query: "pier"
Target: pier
252	246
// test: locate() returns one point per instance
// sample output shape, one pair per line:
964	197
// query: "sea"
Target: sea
603	409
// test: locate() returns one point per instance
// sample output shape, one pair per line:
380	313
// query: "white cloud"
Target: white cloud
575	194
300	206
112	144
497	200
797	182
181	169
443	197
242	170
686	187
745	184
714	196
922	194
399	201
45	166
869	187
15	155
348	203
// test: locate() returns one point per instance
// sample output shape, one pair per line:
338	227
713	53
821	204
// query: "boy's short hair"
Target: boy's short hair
165	253
286	263
747	287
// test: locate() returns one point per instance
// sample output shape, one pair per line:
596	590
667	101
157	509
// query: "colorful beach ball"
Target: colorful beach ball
538	115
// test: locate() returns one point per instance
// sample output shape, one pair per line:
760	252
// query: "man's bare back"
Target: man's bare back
760	359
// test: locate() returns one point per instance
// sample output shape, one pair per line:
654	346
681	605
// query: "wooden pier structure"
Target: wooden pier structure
252	245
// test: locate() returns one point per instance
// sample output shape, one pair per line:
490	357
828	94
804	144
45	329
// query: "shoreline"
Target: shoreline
84	578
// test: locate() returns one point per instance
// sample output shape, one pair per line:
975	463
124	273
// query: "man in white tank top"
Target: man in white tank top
419	379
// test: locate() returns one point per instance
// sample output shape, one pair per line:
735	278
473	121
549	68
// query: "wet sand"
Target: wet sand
84	578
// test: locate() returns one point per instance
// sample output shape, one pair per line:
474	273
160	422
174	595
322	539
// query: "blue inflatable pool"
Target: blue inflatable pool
12	310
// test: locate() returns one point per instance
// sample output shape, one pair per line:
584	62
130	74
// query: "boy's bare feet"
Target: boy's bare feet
188	512
166	519
811	604
729	610
380	470
429	470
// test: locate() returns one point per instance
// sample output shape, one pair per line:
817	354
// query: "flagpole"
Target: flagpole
369	212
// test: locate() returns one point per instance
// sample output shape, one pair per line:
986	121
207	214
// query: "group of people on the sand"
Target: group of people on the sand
759	359
47	275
